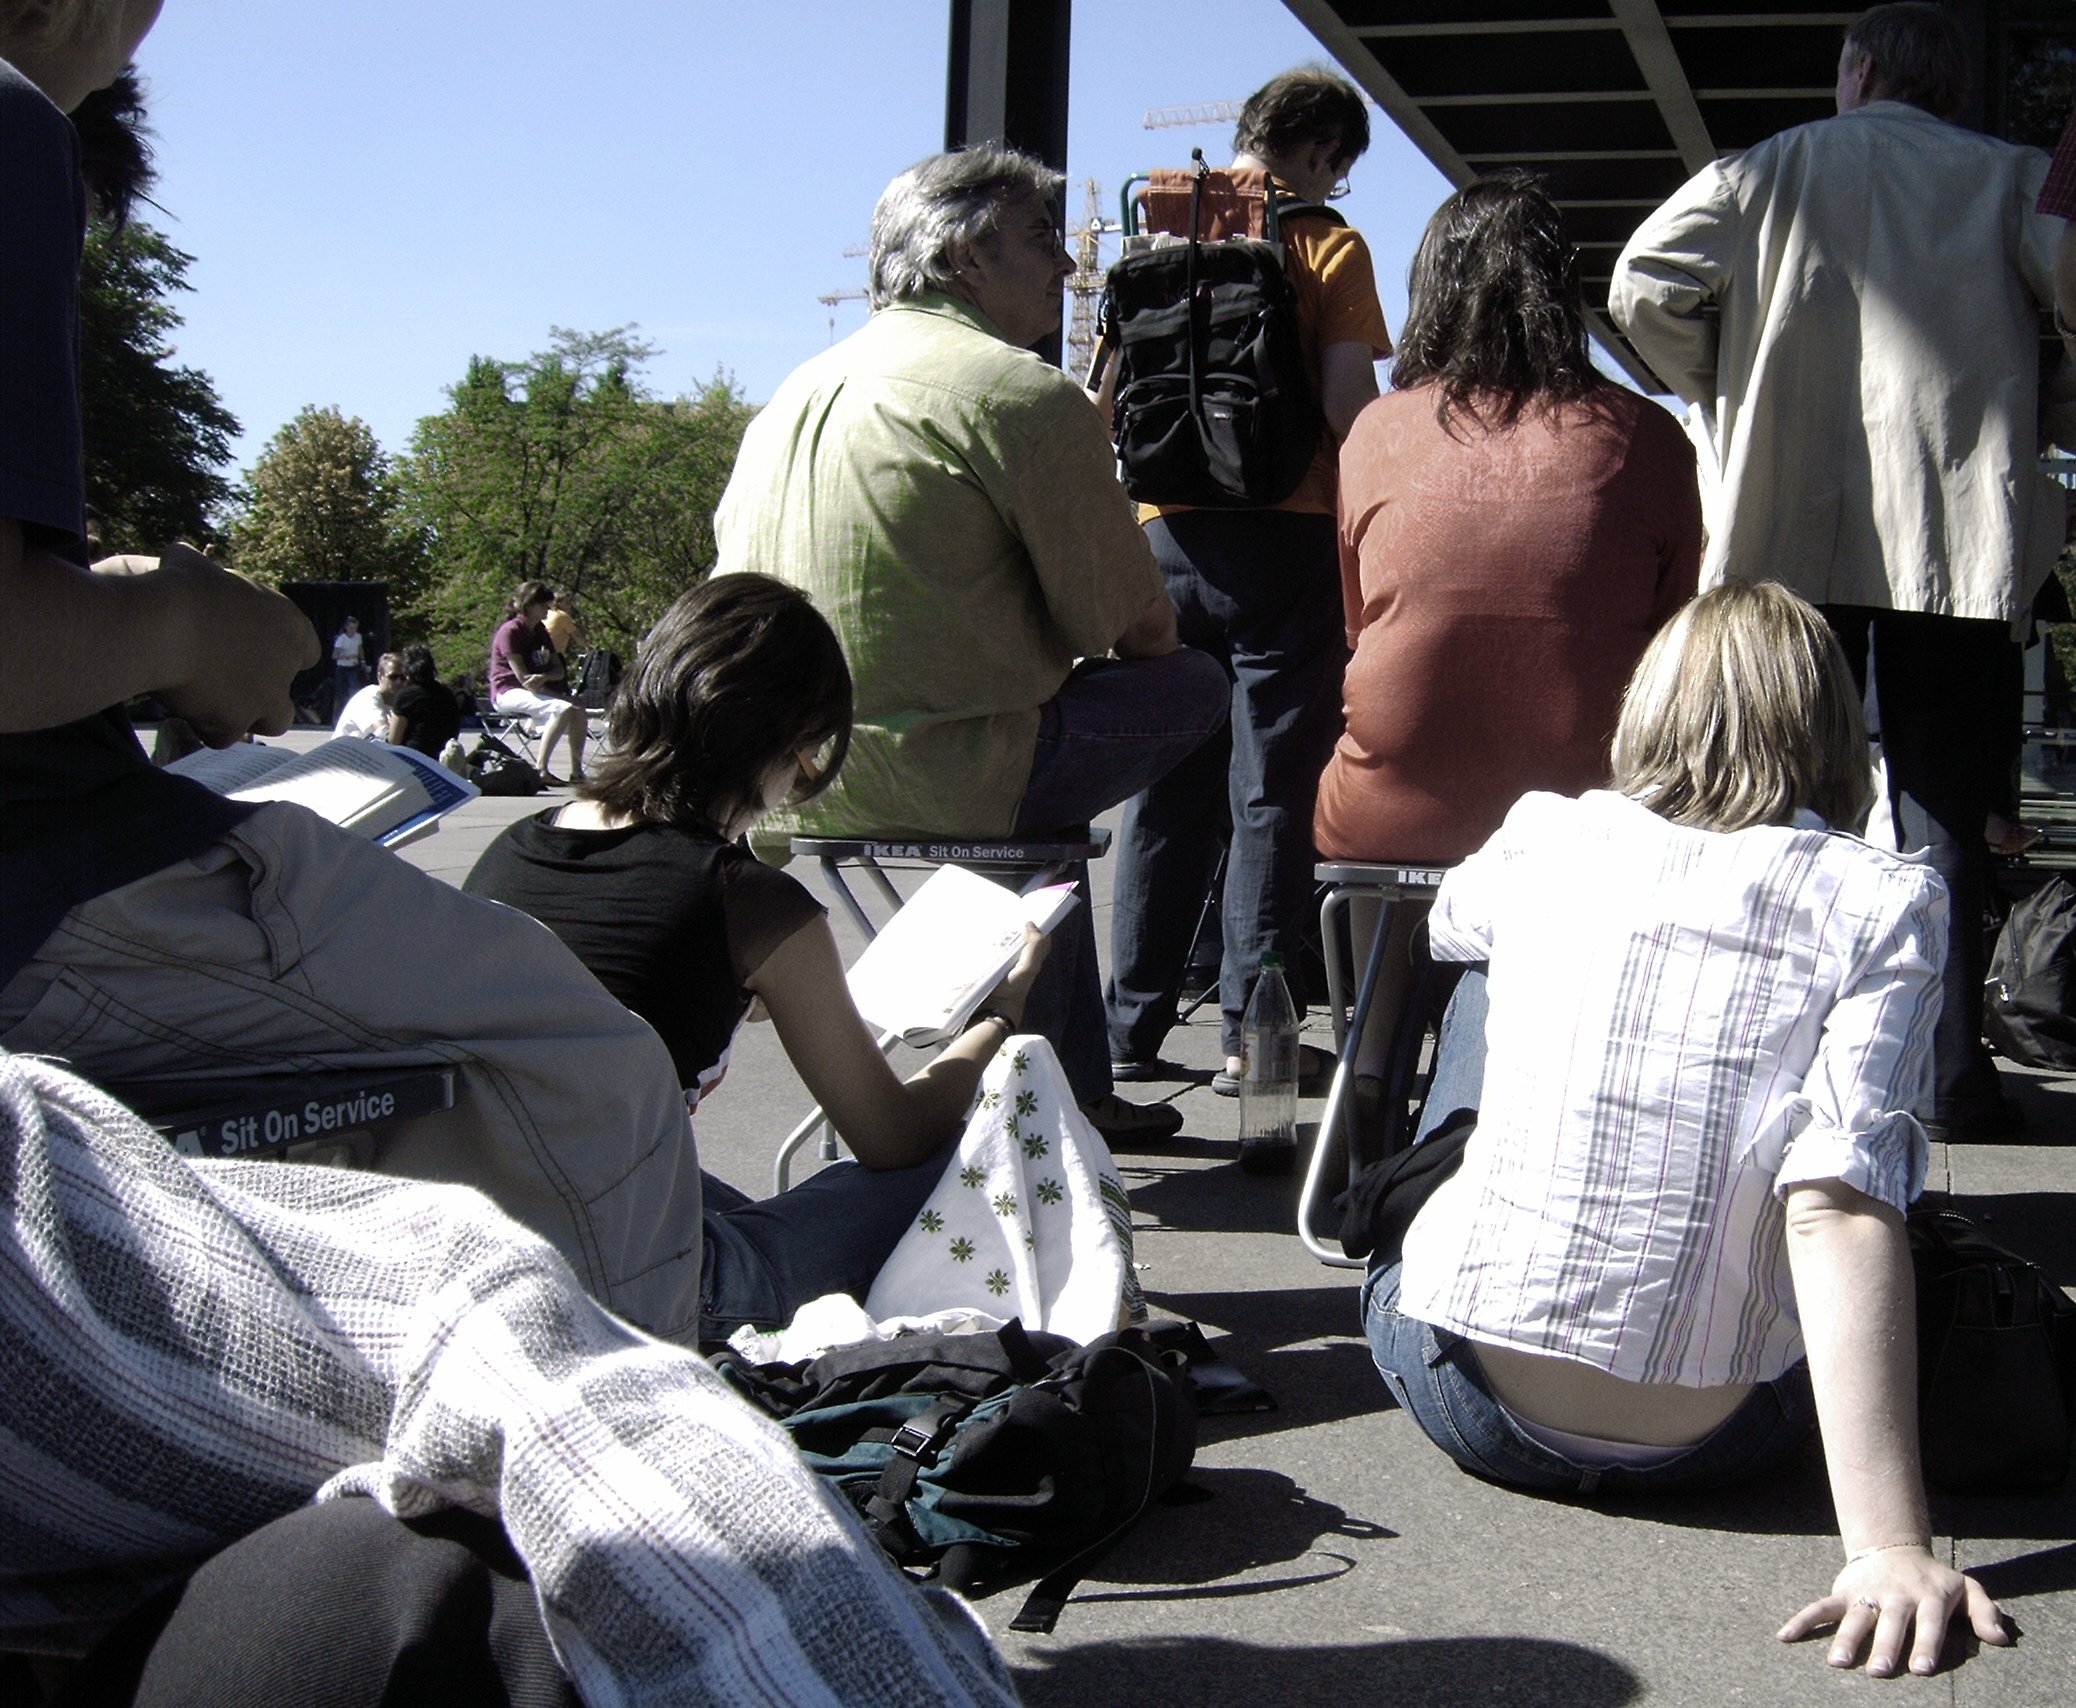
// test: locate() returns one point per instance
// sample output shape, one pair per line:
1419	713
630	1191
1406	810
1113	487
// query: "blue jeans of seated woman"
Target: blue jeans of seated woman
1438	1383
763	1258
1436	1379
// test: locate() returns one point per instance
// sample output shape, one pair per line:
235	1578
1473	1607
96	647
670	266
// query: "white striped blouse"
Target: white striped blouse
1684	1023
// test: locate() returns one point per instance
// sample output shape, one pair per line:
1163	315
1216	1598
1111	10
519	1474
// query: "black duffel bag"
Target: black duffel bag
1996	1362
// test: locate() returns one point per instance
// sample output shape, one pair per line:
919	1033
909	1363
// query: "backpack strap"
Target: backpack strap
916	1442
1048	1598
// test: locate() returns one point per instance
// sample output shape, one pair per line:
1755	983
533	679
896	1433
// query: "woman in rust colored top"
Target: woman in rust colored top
1514	528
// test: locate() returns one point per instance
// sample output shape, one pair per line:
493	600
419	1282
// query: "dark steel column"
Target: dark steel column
1007	82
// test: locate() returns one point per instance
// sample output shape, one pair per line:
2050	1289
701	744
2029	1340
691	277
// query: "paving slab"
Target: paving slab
1341	1559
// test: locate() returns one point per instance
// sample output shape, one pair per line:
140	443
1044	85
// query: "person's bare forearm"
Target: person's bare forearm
1347	385
1893	1599
1152	634
74	641
1851	1265
218	650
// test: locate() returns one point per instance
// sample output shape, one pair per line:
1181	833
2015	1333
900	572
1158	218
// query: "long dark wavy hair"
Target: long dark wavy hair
736	676
1494	321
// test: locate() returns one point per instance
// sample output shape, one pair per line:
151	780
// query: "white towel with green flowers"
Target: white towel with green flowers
1030	1219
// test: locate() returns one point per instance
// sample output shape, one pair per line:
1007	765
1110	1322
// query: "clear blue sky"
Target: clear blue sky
375	190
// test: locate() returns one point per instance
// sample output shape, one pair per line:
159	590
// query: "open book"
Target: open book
949	946
391	795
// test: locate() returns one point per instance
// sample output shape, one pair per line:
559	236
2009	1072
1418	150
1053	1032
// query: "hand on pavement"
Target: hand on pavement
1884	1600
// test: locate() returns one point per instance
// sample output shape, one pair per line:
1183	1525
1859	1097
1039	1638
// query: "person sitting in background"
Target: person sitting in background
739	699
951	504
563	633
1675	1238
1514	529
423	713
365	717
527	680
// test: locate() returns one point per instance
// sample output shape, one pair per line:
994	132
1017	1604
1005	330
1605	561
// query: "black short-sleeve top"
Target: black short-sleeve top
431	715
672	920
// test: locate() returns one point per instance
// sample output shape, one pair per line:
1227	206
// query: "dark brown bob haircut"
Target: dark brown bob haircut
418	665
1918	53
1494	319
738	675
529	593
1299	108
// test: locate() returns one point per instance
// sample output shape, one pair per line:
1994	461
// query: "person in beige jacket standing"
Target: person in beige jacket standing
1854	308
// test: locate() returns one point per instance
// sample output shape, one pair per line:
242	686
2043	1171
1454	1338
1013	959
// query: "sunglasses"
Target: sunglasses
811	771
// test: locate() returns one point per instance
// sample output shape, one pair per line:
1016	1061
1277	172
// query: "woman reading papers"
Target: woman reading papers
740	699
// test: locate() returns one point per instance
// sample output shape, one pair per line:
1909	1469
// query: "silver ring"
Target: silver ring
1868	1601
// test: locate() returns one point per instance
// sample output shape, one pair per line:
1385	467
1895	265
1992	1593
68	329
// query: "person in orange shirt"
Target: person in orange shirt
1259	590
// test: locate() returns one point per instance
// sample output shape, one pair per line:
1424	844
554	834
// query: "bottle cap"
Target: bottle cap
1272	962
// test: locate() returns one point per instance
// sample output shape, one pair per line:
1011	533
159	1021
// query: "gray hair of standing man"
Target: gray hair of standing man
947	201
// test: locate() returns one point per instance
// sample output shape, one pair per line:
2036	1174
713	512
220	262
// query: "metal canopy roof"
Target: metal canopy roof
1616	103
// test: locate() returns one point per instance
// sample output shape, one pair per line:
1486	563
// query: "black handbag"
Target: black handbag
496	770
2029	999
1996	1362
1380	1206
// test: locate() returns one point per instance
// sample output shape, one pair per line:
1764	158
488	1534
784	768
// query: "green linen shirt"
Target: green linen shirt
950	503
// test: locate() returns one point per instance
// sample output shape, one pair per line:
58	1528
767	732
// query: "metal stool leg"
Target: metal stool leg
1204	915
1315	1192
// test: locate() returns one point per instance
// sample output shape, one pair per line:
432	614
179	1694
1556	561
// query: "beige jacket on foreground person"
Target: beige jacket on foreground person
1855	306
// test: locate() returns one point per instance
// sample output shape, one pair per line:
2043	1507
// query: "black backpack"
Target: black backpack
985	1460
496	770
1212	403
1996	1362
2029	1000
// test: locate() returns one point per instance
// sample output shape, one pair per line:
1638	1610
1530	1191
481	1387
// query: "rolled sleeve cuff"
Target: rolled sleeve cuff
1885	1160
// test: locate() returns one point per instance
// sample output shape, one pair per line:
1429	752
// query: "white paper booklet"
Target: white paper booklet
391	795
948	947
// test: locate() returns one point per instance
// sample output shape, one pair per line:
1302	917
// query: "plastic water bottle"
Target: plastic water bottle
1269	1075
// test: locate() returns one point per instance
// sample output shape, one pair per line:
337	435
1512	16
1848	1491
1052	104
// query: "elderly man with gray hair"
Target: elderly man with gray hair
950	503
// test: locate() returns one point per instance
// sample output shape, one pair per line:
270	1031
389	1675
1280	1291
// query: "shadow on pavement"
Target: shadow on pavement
2045	1571
1496	1672
2030	1518
1273	1337
1244	1519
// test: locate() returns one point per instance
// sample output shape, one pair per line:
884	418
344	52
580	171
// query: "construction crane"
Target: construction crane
1085	283
1203	113
829	300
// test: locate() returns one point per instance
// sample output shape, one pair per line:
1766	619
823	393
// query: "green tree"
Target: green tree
322	504
156	433
564	469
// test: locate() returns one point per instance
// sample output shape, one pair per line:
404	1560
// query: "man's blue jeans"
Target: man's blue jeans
1435	1377
1260	591
1116	725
